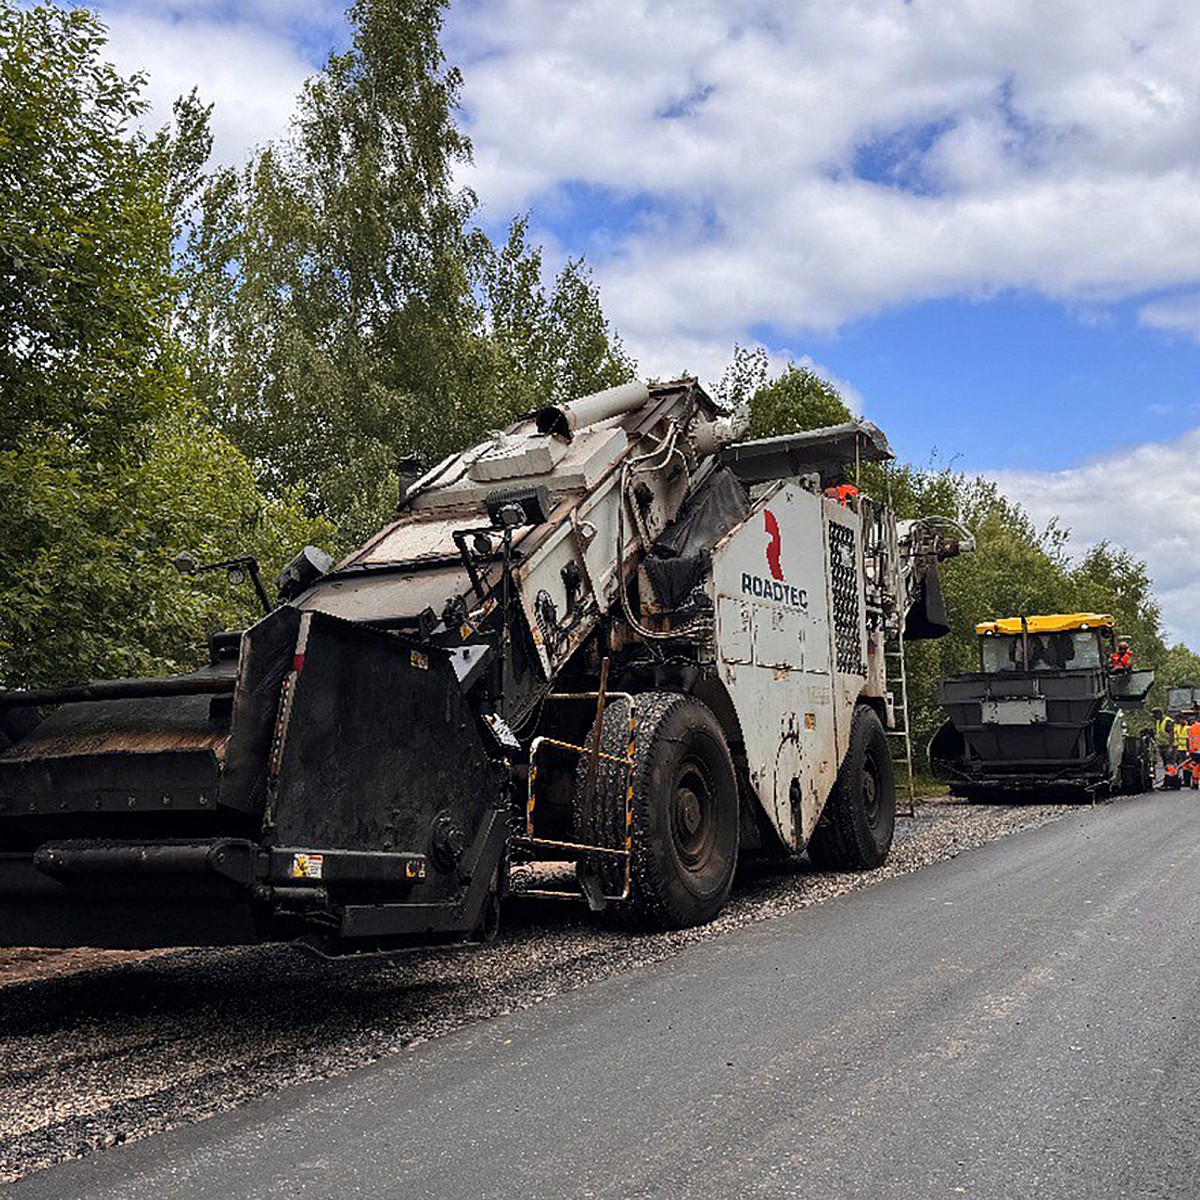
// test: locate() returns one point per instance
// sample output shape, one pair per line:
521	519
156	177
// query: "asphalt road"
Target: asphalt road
1022	1020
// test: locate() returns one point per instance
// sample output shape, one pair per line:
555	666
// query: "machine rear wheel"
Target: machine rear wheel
1137	766
855	830
684	809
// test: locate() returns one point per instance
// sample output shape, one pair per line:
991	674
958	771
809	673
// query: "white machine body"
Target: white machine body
792	646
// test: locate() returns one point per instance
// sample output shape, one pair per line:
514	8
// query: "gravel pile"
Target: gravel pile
95	1055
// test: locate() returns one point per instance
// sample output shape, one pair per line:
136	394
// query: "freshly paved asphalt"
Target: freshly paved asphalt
1019	1021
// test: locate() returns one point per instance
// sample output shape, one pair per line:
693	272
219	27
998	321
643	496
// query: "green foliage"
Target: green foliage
87	587
1178	667
798	399
1109	579
743	378
344	316
332	283
106	471
85	286
549	346
170	340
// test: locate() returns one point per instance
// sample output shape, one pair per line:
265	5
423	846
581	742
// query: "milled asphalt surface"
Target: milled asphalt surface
1021	1020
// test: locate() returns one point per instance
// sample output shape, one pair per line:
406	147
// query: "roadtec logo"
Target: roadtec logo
776	587
774	545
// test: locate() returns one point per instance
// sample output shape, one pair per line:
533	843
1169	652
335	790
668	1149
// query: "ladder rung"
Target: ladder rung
893	654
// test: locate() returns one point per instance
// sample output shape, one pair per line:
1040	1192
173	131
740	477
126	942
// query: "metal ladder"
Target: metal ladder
902	752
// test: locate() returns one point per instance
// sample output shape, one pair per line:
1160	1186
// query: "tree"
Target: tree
85	286
549	346
796	400
799	399
106	467
742	379
345	315
1178	667
332	282
1109	579
87	586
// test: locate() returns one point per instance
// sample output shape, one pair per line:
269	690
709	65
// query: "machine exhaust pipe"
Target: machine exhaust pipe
566	420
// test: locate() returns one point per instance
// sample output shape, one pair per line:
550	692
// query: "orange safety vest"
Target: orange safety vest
1193	736
1119	661
843	493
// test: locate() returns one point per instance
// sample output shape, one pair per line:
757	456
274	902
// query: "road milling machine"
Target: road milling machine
1045	712
613	635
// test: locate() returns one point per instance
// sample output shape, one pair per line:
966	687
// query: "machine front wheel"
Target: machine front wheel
855	830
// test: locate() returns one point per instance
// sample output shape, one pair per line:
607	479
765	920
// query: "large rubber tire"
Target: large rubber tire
855	830
1131	779
1137	769
685	811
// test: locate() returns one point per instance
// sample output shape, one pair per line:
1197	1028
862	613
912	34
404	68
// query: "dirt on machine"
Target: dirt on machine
615	634
1044	713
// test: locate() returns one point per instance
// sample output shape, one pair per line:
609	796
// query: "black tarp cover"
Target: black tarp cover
678	561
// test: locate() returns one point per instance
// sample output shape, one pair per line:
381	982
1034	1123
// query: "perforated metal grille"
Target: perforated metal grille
843	574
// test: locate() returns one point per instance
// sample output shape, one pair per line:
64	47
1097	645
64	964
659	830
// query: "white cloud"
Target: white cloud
250	68
797	165
801	164
669	358
841	156
1143	499
1175	314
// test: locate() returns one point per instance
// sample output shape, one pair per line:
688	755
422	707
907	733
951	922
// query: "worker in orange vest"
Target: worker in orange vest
843	493
1193	745
1121	659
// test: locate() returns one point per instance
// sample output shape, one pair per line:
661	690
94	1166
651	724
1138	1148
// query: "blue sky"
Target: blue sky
1017	382
979	217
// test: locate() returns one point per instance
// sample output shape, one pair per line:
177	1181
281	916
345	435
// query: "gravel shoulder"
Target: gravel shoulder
101	1047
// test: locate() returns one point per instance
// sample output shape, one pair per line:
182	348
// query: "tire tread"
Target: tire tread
840	842
650	905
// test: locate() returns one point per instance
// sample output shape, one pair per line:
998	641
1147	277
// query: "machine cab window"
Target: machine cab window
1063	642
1062	651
